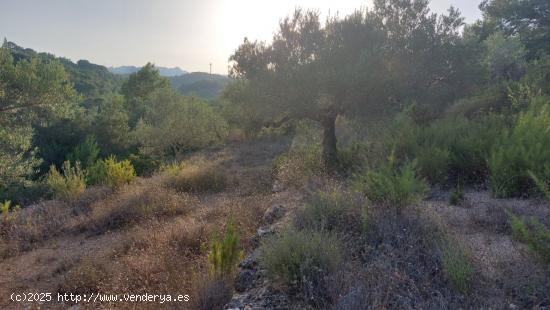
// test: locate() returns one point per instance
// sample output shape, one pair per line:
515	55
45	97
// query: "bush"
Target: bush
433	163
200	179
544	187
332	210
532	232
448	149
144	165
521	149
8	213
352	158
457	266
213	293
111	172
457	197
67	186
391	185
86	152
303	260
224	253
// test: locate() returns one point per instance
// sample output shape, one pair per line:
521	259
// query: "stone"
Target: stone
355	299
245	280
265	231
274	213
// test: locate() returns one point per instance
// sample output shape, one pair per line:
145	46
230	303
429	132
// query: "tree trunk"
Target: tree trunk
330	155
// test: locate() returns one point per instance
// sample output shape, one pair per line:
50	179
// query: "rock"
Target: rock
251	261
274	213
355	299
265	231
245	280
277	187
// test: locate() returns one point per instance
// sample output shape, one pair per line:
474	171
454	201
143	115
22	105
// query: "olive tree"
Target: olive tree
364	64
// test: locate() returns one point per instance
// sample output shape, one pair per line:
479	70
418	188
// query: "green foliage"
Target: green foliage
111	125
225	253
303	260
457	196
31	91
453	147
505	57
527	19
68	184
457	266
392	185
352	158
177	125
369	62
522	148
532	232
433	163
332	210
139	88
543	186
8	212
144	165
111	172
86	152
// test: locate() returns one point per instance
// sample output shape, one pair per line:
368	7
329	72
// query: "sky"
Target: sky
189	34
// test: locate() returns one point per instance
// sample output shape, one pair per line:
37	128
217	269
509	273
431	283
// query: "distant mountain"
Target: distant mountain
167	72
200	84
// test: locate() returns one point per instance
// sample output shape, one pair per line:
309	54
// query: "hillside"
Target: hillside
389	158
89	79
201	84
167	72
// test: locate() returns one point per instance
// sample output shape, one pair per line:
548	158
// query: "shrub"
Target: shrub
457	266
8	213
519	150
111	172
86	152
200	179
144	165
392	185
172	168
457	197
303	260
67	185
224	253
447	149
352	158
433	163
213	293
332	210
544	187
532	232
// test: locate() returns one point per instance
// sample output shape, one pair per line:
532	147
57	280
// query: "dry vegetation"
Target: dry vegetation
150	236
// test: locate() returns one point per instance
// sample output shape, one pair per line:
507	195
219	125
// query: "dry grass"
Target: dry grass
131	205
200	178
150	236
35	224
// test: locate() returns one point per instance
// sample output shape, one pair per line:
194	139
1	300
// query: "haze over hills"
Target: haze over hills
201	84
164	71
92	79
